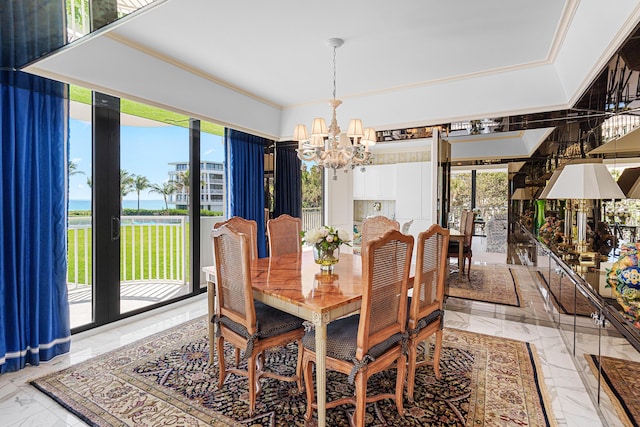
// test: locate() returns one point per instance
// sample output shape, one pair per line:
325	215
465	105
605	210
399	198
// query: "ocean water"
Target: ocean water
85	205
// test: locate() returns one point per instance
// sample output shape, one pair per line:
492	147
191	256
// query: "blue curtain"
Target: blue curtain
34	311
288	182
245	180
34	323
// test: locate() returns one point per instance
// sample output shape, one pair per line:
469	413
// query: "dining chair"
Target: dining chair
284	237
426	313
467	228
375	227
372	341
245	323
249	228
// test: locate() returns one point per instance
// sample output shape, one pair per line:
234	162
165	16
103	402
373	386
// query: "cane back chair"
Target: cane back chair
284	235
426	303
243	322
372	341
249	228
374	227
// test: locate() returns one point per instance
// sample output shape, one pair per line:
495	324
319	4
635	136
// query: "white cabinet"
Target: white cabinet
386	188
414	190
378	182
359	179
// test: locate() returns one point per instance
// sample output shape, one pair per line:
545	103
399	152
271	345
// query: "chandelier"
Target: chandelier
329	147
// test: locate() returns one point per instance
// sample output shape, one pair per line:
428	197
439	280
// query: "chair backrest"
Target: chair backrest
469	227
431	269
463	221
247	227
374	227
385	274
284	235
233	276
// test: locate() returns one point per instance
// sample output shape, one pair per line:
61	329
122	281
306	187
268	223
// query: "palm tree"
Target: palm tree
140	183
166	189
73	168
126	184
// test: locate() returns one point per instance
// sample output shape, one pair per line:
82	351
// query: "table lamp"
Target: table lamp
582	180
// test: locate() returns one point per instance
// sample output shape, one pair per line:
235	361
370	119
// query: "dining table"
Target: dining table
294	283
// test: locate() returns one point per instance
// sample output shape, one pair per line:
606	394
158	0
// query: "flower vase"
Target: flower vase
540	215
326	257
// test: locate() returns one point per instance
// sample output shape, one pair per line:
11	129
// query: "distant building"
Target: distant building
212	192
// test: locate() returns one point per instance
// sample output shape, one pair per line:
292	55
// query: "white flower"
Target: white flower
329	238
343	235
324	231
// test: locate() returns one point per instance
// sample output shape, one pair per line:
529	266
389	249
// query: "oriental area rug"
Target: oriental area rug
564	295
486	283
166	380
620	382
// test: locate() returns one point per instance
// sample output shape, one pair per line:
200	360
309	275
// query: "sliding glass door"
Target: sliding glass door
132	242
154	224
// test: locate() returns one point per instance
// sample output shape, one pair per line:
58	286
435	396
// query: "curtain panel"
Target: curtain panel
288	182
34	311
245	180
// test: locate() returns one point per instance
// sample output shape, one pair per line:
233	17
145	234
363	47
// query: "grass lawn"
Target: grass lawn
160	253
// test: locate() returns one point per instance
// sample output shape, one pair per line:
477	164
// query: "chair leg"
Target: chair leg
251	368
299	365
411	370
401	366
308	382
361	399
221	365
236	352
436	354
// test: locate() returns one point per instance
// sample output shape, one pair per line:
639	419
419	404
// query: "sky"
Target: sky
144	151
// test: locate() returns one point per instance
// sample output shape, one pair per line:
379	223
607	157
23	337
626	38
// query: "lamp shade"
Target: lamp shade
369	137
634	192
522	194
300	133
627	180
319	127
550	183
585	179
355	129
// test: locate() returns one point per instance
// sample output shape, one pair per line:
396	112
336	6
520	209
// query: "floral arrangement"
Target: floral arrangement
551	231
326	243
326	238
624	280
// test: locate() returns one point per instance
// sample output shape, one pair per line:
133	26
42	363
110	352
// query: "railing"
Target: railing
152	248
311	218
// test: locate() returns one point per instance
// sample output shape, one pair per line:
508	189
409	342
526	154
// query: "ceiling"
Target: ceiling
262	66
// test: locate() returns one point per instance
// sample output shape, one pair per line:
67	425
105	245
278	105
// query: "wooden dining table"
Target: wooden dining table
295	284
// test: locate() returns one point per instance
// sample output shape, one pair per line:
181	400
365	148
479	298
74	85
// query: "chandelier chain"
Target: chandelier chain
334	72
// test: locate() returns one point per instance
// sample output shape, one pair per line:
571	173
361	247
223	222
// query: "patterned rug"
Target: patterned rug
487	283
620	382
563	297
166	380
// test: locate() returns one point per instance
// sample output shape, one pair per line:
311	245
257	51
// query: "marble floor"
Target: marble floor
565	374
